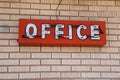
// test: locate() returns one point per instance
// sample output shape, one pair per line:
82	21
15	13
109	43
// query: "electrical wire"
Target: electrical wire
57	9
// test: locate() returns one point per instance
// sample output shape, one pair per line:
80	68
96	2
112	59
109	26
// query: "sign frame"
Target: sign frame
63	39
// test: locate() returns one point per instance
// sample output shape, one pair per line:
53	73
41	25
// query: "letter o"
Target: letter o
30	25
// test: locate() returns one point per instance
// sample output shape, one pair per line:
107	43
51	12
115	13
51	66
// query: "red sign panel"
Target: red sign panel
61	32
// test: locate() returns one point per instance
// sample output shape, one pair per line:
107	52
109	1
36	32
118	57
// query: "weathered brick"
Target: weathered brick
29	12
88	14
115	68
9	62
69	13
70	61
116	44
100	68
13	29
113	8
48	12
50	75
8	76
3	55
80	55
10	0
3	69
117	2
110	75
78	18
4	42
90	49
40	17
118	14
9	49
50	61
41	55
29	75
61	7
111	37
110	62
69	2
50	49
40	6
91	62
9	11
97	8
70	75
107	44
14	42
109	49
107	32
4	29
115	56
118	37
54	17
30	62
8	36
91	75
70	49
106	14
61	55
4	17
18	69
59	18
81	68
40	68
20	5
97	19
111	26
61	68
31	1
19	55
114	20
50	1
2	4
30	49
107	2
100	56
17	17
74	7
115	32
8	23
87	2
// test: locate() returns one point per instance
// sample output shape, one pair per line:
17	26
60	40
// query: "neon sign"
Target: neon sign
61	32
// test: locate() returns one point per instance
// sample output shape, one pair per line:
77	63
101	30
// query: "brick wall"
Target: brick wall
59	63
